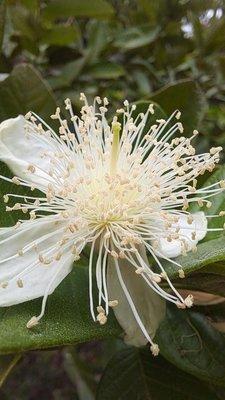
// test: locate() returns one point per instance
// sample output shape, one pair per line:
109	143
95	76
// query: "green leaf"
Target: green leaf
185	96
60	35
106	70
188	340
214	37
142	107
68	73
97	33
136	37
76	8
25	90
133	374
209	282
67	319
209	252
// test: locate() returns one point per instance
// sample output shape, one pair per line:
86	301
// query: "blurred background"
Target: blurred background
170	51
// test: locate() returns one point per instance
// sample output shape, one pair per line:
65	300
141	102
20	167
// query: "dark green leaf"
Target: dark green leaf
186	97
97	40
106	70
133	374
189	341
135	37
214	37
25	90
67	319
76	8
209	283
209	252
68	73
60	35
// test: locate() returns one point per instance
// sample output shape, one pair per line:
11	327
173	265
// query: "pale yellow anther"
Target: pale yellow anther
16	180
114	254
193	235
100	310
102	320
140	270
113	303
180	305
189	301
178	115
154	349
181	273
32	322
156	278
151	108
19	283
31	168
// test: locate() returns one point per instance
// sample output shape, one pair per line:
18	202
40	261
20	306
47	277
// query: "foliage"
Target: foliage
172	53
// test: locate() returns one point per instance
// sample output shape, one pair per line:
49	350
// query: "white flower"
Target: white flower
119	190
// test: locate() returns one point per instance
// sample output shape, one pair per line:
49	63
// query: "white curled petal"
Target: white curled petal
19	150
174	248
149	305
24	277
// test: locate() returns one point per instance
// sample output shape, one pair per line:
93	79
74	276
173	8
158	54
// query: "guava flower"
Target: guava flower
120	190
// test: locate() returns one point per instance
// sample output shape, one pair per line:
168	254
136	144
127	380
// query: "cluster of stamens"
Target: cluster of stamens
113	188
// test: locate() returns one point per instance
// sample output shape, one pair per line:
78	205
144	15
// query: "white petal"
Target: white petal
19	151
36	279
199	226
149	305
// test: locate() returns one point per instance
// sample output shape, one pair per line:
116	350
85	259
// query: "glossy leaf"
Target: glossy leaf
186	97
209	282
190	342
107	70
25	90
76	8
68	73
207	253
134	374
60	35
135	38
67	319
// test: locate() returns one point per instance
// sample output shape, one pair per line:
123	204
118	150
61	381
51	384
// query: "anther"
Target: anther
32	322
189	301
154	349
181	273
113	303
19	283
